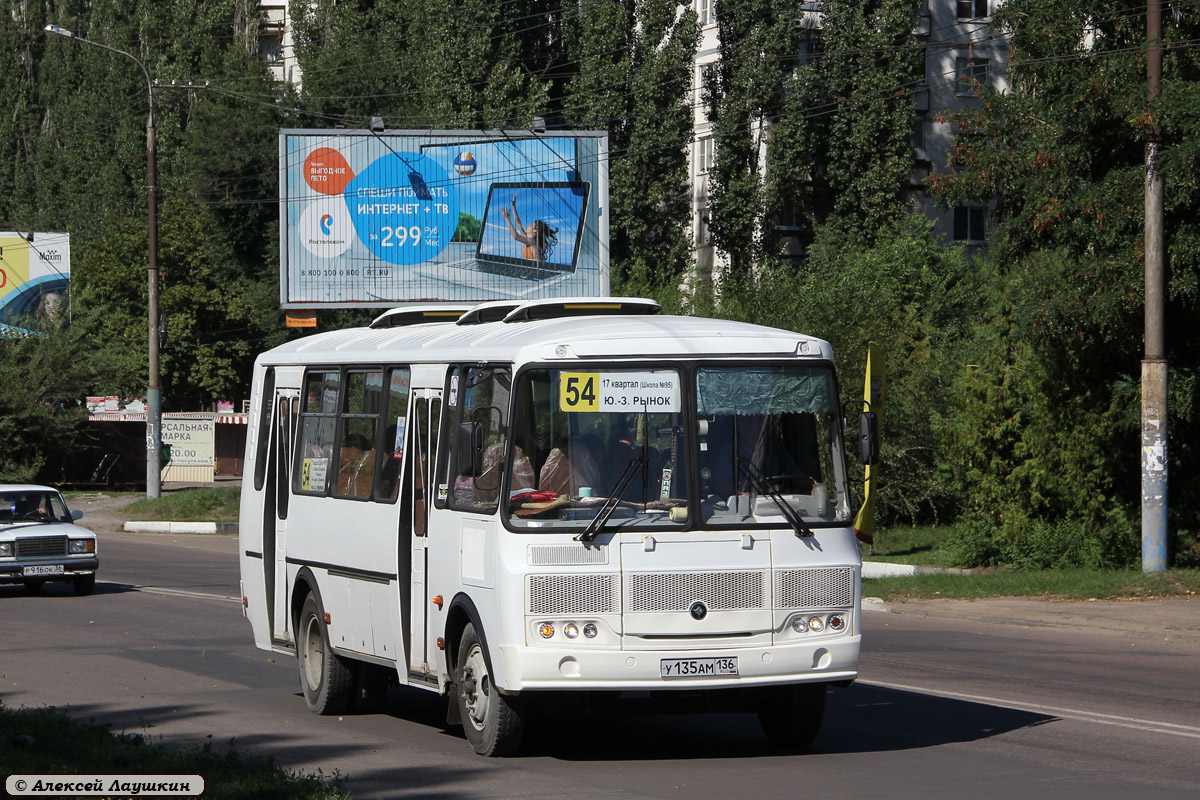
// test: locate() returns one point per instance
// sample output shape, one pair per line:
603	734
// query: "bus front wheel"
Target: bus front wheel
791	715
327	682
493	722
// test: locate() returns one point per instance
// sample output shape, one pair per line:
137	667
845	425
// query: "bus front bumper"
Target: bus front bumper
564	669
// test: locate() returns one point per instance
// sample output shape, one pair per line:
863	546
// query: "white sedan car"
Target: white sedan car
39	540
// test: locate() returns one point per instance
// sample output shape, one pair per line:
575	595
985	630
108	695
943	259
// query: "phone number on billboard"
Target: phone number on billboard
328	273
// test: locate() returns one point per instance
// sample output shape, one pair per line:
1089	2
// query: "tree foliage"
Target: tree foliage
1062	155
812	124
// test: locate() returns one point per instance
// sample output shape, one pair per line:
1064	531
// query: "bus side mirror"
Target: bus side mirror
469	442
868	438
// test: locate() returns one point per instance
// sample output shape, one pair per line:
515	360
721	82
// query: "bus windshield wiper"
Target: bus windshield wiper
763	486
613	500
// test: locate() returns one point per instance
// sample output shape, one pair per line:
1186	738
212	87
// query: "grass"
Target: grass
1064	584
63	746
912	545
190	505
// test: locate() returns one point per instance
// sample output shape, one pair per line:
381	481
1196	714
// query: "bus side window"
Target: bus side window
318	426
395	430
428	413
361	407
264	429
482	398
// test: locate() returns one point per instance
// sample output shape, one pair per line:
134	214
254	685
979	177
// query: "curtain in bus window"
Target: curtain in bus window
763	390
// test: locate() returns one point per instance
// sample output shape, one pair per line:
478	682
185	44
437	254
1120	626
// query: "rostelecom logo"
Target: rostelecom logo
325	229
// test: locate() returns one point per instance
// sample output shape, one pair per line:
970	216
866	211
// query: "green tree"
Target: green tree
1062	155
42	382
916	300
823	138
633	65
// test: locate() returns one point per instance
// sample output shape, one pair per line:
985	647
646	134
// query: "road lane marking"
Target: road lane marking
1133	723
181	593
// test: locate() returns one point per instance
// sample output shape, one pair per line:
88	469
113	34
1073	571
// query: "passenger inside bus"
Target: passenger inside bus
356	466
571	466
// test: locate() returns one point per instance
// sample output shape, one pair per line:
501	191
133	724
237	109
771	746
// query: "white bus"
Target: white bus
516	502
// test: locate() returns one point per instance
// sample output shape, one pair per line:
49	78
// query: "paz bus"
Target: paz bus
555	500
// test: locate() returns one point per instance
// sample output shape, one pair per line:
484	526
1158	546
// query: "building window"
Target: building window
970	74
809	47
704	155
704	14
270	48
703	237
972	9
970	224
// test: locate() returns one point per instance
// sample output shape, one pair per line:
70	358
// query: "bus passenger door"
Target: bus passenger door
425	418
287	403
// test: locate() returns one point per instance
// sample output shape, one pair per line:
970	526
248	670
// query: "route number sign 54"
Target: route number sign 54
618	391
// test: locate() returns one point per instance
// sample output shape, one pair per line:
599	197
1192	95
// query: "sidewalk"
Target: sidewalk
1176	619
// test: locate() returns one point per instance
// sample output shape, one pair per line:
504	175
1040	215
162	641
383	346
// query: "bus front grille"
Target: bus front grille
676	591
574	594
814	588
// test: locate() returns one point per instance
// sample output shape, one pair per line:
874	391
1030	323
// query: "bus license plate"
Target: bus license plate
52	569
697	667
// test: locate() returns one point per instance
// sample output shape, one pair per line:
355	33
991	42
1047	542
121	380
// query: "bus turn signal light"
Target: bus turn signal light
437	601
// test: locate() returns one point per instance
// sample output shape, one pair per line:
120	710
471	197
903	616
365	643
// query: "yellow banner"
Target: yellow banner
873	391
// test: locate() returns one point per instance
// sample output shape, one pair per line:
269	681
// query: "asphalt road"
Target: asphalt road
984	699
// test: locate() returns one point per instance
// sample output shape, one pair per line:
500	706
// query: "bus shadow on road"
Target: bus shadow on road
861	719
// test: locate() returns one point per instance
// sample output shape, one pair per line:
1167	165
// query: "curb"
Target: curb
883	569
228	528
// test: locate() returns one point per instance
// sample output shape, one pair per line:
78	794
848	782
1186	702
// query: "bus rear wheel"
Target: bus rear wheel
493	722
791	715
327	681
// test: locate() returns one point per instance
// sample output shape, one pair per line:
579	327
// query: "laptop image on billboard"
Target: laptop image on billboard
532	230
529	236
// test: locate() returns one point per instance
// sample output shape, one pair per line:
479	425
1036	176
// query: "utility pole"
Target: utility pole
1154	362
153	390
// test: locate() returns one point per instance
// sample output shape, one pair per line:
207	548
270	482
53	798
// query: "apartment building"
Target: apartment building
275	44
961	49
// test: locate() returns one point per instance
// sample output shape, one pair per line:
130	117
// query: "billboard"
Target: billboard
35	276
382	219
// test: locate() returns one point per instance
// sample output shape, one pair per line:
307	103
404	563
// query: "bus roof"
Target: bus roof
592	333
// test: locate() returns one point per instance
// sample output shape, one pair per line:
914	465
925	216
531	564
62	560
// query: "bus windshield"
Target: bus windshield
768	434
761	436
583	438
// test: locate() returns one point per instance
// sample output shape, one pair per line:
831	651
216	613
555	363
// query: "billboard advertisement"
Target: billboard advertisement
35	276
383	219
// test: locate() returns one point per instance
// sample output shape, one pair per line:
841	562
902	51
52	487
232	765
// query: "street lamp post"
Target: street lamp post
153	391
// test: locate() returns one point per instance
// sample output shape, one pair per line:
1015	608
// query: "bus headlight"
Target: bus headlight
571	631
799	624
816	625
590	630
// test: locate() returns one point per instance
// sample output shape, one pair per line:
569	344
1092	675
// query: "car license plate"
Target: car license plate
697	667
50	569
